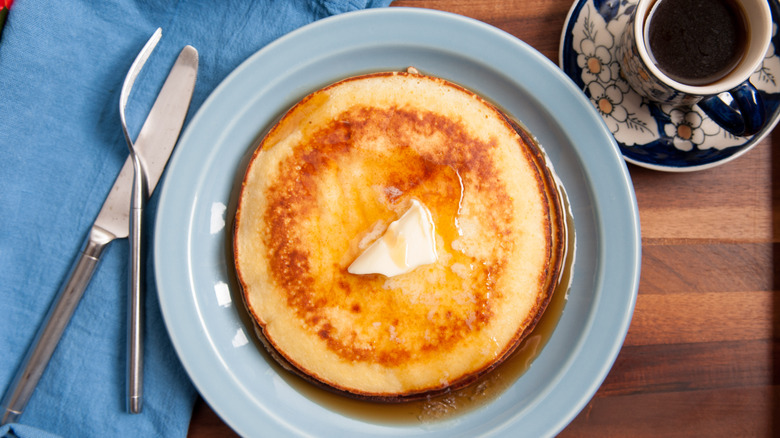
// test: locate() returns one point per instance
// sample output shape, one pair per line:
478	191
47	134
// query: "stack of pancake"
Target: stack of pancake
328	180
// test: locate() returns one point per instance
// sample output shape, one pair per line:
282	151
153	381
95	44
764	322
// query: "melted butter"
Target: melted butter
398	246
409	242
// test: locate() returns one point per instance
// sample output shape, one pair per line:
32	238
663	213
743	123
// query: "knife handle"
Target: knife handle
49	333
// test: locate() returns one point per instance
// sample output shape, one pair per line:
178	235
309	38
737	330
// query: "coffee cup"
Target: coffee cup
689	52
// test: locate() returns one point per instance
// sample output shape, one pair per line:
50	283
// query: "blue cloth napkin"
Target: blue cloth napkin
61	146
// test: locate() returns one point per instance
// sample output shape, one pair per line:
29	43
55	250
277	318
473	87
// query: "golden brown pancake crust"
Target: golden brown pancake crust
338	166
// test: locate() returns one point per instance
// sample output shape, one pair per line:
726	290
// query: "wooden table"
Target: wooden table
702	356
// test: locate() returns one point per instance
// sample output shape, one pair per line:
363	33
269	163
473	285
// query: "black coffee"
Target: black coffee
696	42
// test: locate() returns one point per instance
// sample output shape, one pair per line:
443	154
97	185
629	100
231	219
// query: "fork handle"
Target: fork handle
136	295
50	331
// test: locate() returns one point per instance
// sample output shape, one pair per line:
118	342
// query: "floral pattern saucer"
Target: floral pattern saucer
659	137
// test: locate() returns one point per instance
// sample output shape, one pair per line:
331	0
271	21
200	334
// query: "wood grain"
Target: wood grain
702	355
730	412
732	202
691	266
719	317
677	367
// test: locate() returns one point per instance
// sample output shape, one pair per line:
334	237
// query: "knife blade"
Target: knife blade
160	130
156	140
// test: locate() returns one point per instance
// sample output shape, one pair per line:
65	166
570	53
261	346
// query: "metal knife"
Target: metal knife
156	140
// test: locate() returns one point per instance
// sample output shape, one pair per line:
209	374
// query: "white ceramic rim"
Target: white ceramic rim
761	37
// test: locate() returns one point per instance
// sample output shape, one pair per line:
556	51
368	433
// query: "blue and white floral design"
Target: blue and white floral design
660	135
608	101
594	61
688	129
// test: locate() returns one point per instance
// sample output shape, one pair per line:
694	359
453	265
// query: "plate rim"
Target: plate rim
400	12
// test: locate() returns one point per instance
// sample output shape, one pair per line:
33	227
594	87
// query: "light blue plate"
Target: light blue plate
194	269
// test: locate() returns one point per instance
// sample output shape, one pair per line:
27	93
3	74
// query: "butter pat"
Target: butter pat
409	242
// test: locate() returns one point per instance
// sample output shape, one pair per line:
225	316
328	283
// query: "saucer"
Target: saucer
660	137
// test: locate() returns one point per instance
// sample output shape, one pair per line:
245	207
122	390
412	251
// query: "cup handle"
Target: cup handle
747	121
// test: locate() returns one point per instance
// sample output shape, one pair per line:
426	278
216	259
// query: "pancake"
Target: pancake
327	181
